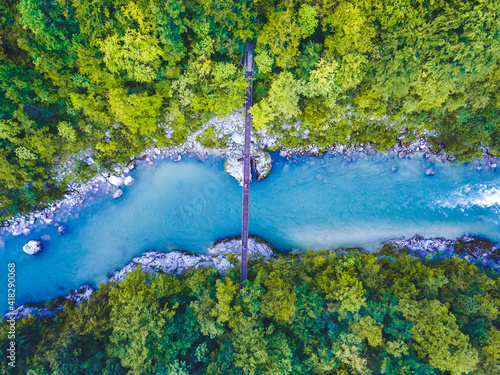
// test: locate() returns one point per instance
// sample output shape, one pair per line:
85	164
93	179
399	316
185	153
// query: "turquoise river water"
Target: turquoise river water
304	203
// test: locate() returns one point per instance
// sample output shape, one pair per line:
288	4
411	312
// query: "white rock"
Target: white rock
117	194
129	180
237	138
262	165
154	261
222	264
115	180
24	311
77	295
32	247
234	247
429	172
417	243
234	167
177	261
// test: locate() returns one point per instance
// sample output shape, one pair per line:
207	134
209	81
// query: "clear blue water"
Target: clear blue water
306	203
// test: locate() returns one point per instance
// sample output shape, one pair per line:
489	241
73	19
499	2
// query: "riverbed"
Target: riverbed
306	202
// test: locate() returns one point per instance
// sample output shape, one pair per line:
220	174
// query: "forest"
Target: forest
112	77
328	312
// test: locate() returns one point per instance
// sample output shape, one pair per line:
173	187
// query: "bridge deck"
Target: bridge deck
246	162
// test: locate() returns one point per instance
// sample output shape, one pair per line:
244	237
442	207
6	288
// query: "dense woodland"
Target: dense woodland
111	76
316	313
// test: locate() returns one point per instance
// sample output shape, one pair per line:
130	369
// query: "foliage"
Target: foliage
313	313
102	75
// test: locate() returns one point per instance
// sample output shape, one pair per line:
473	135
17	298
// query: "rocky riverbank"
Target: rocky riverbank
222	255
38	310
482	252
225	253
228	134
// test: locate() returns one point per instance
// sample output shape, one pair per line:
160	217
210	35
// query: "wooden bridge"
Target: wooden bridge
246	161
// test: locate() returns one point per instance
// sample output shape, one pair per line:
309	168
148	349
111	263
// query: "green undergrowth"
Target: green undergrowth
315	313
120	76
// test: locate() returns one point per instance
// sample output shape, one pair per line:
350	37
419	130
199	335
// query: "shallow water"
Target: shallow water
304	203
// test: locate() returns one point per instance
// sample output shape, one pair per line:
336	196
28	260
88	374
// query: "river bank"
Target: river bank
228	132
224	254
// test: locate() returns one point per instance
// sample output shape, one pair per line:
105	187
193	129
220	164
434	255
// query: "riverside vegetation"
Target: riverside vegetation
346	312
112	77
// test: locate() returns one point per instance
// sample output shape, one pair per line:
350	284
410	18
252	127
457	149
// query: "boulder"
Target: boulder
419	243
33	247
154	261
117	194
129	180
430	172
115	180
61	229
262	164
237	138
179	261
77	295
256	246
24	311
234	167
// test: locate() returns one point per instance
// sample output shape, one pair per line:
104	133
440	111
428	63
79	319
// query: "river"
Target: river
305	202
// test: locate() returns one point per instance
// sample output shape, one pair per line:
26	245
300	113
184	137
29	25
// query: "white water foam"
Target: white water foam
470	195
